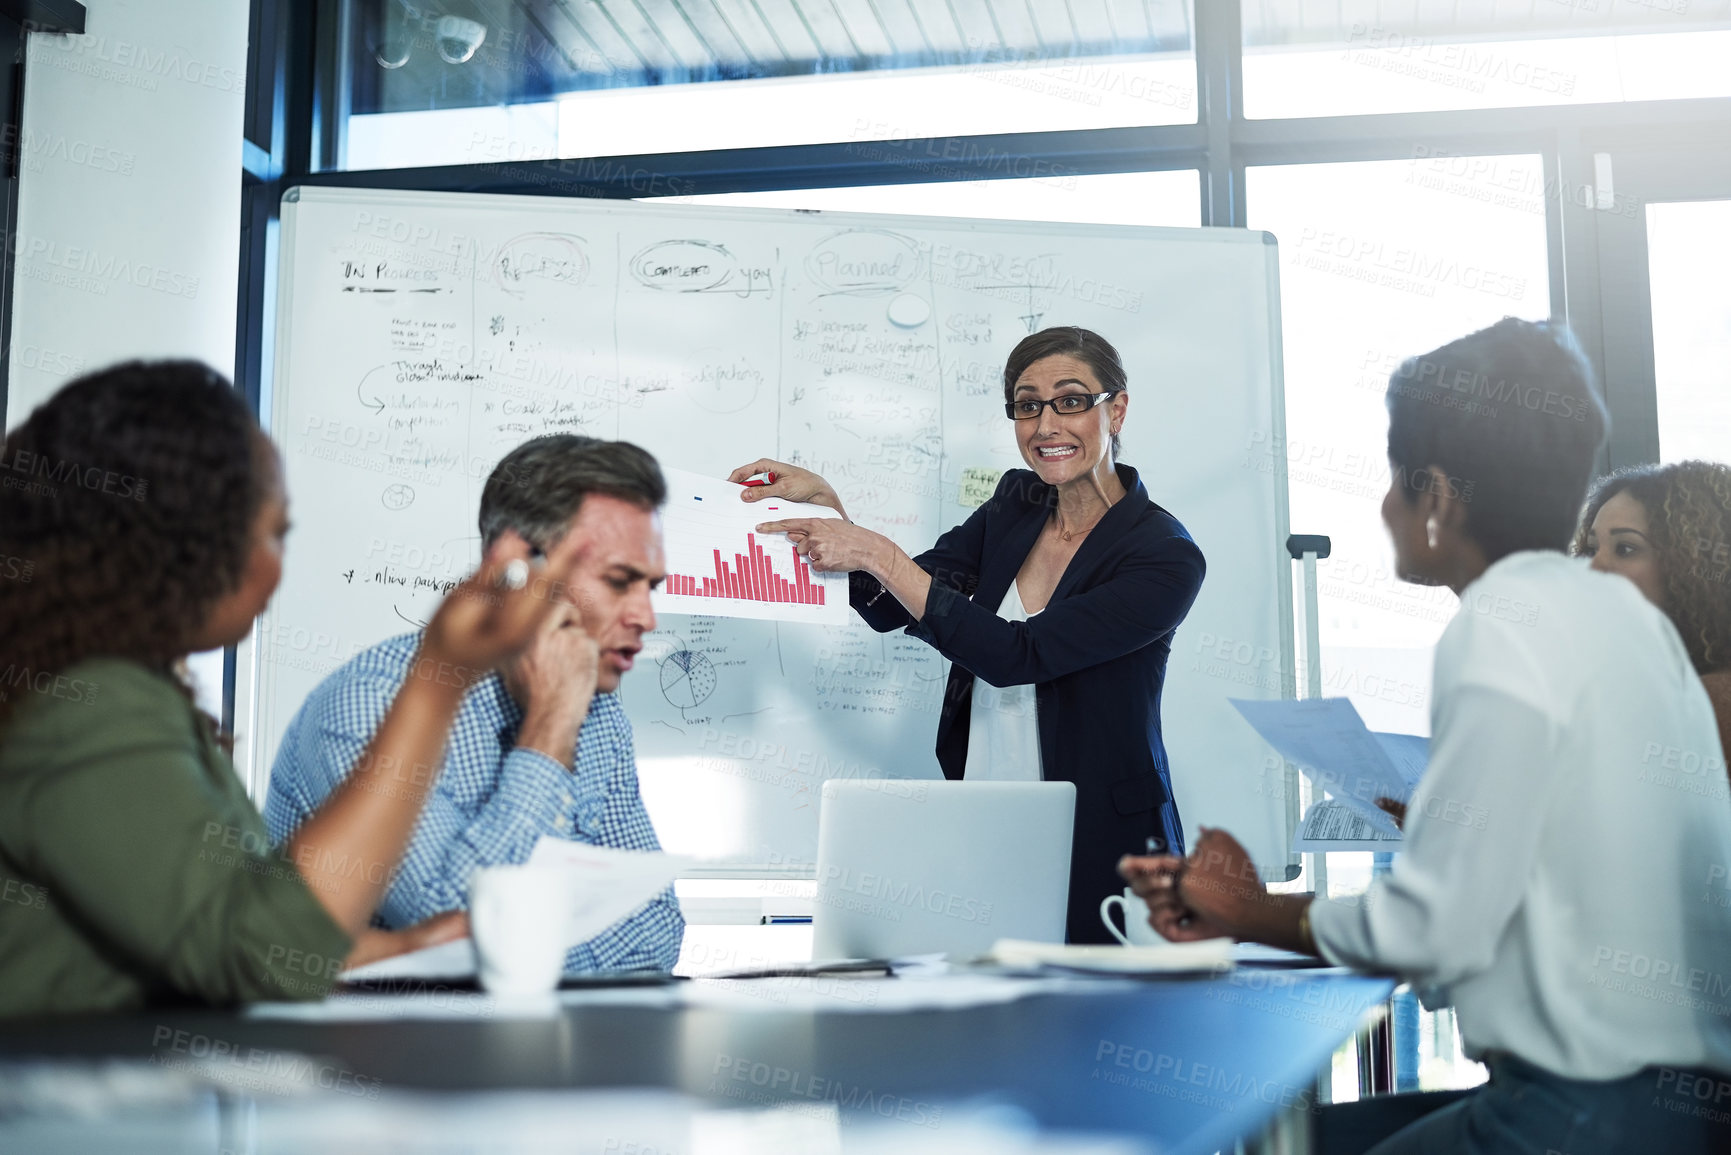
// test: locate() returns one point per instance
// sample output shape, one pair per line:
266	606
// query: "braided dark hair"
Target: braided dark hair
126	506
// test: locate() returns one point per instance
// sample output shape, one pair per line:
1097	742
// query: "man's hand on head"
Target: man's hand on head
554	681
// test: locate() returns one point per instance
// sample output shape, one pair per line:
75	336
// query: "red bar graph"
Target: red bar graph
751	578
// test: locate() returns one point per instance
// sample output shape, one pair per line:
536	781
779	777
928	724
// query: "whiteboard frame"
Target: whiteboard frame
258	676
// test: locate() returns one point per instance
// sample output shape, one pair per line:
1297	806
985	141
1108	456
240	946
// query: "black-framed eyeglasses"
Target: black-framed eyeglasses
1067	404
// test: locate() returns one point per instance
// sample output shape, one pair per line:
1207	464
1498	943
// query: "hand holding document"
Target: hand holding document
1329	742
718	564
601	886
605	884
1332	825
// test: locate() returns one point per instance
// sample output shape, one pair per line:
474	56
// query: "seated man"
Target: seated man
541	746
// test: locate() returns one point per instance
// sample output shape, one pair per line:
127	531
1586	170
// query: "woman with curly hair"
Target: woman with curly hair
142	518
1667	528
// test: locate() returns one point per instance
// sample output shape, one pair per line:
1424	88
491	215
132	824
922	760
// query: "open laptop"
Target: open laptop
910	866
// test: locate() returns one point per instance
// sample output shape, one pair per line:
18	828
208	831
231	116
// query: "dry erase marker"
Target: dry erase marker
760	479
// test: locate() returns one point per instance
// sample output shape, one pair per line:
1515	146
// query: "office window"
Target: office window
1131	198
1426	58
1688	249
622	79
1381	260
506	132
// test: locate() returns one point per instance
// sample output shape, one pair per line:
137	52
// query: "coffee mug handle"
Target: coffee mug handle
1106	917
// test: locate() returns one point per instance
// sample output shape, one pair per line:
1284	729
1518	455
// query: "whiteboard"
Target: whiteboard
421	336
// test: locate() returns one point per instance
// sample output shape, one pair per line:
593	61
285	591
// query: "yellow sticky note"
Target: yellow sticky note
978	484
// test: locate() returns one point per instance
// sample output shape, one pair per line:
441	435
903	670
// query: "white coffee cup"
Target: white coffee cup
1135	919
518	917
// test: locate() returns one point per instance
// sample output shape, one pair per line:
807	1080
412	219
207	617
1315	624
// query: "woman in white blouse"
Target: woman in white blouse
1564	879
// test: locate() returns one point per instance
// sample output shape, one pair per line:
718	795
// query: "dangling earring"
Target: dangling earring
1430	532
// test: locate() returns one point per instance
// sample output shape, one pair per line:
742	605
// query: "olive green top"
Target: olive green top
134	870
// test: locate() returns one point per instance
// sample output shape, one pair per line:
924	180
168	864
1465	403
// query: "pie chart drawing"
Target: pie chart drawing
687	679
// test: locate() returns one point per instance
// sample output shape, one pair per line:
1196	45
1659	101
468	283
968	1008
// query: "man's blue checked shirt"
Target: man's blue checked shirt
492	803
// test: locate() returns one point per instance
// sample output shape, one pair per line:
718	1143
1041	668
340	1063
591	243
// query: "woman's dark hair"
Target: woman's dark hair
1085	345
1688	508
1510	415
126	508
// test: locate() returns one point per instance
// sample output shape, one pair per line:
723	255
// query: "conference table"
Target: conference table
1170	1065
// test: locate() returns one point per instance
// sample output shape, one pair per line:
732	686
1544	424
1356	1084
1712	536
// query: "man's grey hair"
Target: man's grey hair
540	485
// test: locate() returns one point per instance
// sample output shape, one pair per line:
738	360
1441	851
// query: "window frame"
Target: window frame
296	109
296	106
1641	175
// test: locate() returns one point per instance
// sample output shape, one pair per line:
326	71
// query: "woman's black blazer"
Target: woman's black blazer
1096	656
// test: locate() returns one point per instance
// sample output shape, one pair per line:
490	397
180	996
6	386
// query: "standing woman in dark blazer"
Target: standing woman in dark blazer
1055	602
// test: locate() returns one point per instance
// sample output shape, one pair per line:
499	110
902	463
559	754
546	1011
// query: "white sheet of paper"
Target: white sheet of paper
1328	741
1409	753
448	960
1206	955
718	564
606	884
1332	825
418	1004
840	994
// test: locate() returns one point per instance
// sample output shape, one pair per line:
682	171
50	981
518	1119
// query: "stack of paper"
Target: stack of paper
605	886
446	962
1327	740
1332	825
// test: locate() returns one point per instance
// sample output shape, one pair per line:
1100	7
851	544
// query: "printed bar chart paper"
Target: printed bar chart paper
719	565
